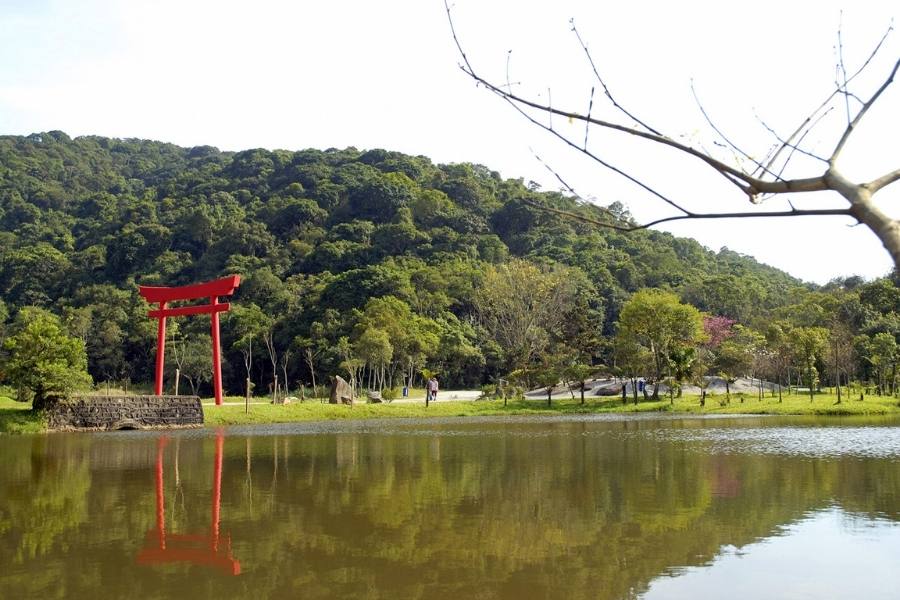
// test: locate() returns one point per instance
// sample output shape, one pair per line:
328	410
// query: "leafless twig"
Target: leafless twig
766	178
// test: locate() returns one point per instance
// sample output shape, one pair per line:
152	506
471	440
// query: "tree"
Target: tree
349	362
4	315
42	360
578	372
632	360
809	342
839	353
661	324
311	347
269	340
757	176
374	347
883	355
682	362
32	275
548	372
177	354
197	362
519	304
717	329
248	322
732	360
413	338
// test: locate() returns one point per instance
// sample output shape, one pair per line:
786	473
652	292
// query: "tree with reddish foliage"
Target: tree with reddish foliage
717	329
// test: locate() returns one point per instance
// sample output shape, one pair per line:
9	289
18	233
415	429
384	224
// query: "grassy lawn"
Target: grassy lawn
16	417
795	404
822	404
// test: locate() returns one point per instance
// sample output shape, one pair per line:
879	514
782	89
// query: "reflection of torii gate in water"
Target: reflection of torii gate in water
162	547
164	295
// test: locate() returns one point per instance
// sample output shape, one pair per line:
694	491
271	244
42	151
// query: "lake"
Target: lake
602	507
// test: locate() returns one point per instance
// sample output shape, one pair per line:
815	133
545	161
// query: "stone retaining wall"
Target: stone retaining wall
126	412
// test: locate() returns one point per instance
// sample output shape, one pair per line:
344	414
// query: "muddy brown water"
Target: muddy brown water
596	507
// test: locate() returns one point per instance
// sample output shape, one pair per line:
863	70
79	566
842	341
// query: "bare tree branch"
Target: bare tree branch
883	181
572	191
874	52
748	184
587	126
862	112
794	212
759	166
842	70
597	159
794	147
766	179
824	105
606	90
732	215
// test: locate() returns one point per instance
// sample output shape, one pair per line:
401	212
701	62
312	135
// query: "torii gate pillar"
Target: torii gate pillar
164	295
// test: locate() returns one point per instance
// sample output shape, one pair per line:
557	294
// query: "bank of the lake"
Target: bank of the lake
15	417
822	404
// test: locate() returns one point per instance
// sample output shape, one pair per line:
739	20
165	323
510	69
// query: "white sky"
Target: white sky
301	74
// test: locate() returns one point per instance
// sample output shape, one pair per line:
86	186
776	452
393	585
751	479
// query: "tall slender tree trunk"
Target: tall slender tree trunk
285	359
274	388
312	370
838	386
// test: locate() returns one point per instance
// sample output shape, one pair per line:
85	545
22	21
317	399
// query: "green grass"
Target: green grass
823	404
16	417
795	404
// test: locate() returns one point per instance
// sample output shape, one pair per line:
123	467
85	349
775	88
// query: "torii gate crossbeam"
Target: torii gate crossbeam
164	295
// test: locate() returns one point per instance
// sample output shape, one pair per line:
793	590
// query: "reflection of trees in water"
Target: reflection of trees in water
550	510
46	497
538	514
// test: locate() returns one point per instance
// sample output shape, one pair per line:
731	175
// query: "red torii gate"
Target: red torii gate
164	295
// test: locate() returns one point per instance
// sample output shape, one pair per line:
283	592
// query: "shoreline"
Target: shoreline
17	418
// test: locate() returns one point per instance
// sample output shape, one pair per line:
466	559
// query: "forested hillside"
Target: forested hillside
370	262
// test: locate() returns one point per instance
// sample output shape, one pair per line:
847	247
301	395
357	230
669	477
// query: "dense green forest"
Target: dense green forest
377	265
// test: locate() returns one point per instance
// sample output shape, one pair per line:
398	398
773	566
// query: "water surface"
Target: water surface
576	507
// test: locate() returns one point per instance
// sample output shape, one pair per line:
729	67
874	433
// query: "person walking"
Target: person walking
431	390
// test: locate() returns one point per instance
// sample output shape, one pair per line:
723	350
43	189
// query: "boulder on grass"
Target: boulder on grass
341	392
